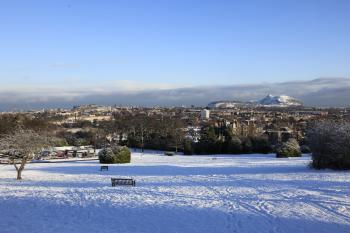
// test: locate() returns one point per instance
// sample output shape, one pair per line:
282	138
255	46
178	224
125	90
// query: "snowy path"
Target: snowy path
246	193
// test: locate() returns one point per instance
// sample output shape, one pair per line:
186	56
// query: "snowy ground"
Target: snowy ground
246	193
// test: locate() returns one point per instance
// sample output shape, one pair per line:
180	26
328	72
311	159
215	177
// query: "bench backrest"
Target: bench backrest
122	181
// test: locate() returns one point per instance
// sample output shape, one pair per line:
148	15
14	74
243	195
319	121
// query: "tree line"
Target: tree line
223	141
21	137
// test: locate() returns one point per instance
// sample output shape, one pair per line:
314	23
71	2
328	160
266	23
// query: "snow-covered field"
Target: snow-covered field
246	193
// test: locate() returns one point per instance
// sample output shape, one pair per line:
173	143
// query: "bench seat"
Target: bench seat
122	181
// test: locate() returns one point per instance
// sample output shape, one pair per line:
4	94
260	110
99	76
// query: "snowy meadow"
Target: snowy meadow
222	193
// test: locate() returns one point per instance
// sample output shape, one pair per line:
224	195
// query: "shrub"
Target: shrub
261	144
115	154
123	155
290	148
305	149
235	145
169	153
59	142
247	145
188	149
330	145
106	156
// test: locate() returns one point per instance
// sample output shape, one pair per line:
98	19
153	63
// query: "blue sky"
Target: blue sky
135	44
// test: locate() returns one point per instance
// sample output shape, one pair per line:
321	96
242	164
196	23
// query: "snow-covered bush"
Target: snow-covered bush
106	156
290	148
330	145
115	154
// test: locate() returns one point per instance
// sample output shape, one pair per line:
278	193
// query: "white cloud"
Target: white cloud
321	92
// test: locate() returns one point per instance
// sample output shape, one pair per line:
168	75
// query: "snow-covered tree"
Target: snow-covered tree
115	154
290	148
21	146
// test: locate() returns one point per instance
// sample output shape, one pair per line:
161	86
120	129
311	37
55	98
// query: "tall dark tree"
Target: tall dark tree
330	145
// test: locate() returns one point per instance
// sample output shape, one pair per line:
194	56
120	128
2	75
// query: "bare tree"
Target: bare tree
177	132
21	146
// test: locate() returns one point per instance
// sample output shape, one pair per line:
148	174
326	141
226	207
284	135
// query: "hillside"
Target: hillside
242	193
267	101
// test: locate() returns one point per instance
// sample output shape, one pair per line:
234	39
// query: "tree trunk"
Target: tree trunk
20	168
19	174
142	145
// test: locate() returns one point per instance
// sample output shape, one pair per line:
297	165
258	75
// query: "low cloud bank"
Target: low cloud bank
318	92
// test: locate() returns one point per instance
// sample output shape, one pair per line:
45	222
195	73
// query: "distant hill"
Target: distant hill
268	101
279	101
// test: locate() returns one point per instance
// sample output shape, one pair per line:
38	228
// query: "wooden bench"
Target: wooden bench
104	168
121	181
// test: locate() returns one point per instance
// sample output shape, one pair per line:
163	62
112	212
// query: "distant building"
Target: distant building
205	114
278	136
